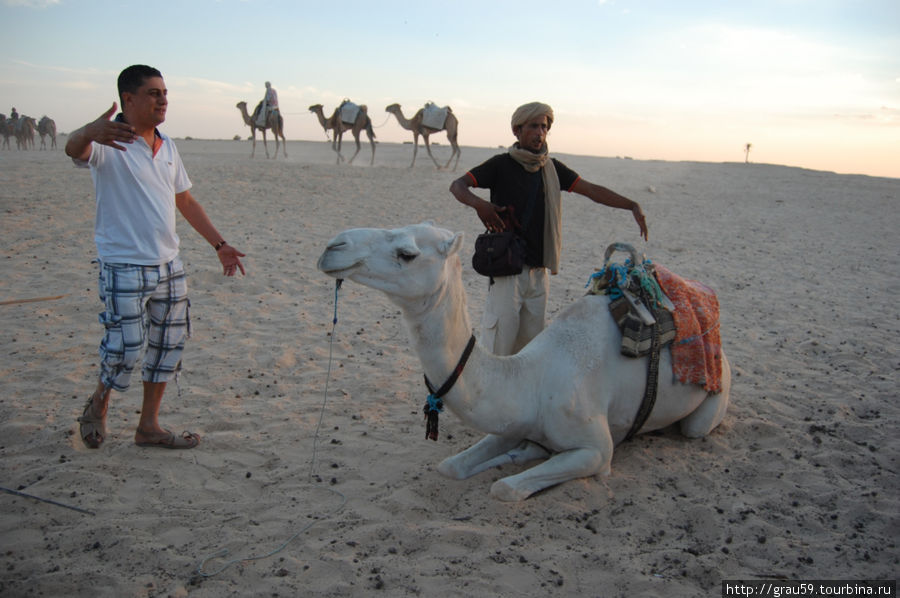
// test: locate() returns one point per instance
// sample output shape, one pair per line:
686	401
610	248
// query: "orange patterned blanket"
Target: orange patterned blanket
697	348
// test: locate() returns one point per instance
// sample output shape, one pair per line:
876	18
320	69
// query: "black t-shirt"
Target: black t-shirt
512	185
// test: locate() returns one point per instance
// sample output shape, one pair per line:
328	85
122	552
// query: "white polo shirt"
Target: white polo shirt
135	220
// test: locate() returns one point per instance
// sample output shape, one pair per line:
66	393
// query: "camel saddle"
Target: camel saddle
434	117
349	112
256	110
637	303
645	298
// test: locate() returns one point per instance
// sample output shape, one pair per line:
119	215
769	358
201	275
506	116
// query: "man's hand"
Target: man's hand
487	212
230	258
108	132
638	214
103	131
490	216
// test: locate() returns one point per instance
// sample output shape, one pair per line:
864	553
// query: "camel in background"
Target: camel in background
335	123
24	132
276	124
6	129
46	127
415	124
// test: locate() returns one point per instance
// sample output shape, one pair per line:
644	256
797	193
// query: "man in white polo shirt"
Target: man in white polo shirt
139	181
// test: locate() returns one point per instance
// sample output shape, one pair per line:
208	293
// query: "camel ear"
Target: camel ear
453	245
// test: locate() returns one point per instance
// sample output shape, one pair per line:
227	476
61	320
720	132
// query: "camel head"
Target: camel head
406	263
242	106
316	108
393	108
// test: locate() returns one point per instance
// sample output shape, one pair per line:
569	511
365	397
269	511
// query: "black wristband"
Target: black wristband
219	245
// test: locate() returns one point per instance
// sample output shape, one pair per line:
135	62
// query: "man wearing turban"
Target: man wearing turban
527	182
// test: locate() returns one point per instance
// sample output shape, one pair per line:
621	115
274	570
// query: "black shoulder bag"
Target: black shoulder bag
503	253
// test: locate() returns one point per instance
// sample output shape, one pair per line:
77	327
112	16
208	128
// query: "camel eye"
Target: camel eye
406	256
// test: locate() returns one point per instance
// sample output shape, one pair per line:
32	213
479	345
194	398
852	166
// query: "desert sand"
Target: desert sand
312	434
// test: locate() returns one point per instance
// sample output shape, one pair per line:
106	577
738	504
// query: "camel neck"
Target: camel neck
440	327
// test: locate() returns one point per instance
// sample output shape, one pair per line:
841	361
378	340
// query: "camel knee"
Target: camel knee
600	463
507	492
452	468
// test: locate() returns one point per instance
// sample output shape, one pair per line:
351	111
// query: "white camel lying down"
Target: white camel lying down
568	397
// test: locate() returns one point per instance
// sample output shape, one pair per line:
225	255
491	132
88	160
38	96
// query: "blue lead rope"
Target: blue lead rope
337	286
433	403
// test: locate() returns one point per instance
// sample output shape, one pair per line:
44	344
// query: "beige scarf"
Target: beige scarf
552	204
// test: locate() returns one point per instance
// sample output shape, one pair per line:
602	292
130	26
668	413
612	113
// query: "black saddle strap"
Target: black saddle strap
652	383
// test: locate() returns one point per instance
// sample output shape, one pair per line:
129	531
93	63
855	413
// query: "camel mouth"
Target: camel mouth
327	265
335	272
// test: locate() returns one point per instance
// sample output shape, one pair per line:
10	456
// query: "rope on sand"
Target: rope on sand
201	571
32	300
46	500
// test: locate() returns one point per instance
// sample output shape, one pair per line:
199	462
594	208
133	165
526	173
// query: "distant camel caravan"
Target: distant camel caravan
23	129
567	398
347	116
276	124
420	125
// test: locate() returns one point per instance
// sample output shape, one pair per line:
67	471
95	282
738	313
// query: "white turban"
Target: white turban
526	112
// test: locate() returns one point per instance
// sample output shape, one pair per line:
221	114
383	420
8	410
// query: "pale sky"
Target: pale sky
809	83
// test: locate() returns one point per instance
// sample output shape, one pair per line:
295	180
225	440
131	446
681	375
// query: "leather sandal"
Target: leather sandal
91	428
187	440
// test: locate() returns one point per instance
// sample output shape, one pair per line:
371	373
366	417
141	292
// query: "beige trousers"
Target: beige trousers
514	312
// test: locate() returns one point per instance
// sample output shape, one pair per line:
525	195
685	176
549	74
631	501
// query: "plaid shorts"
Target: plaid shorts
147	311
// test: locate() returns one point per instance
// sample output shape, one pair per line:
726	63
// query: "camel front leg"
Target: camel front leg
336	145
523	452
265	145
561	467
472	460
415	148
